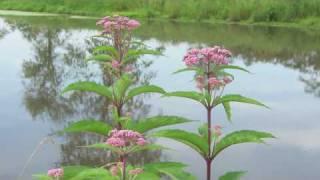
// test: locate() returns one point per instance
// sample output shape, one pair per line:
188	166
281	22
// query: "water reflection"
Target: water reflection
58	60
58	50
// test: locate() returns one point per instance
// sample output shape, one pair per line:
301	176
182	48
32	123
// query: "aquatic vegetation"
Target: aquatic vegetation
125	135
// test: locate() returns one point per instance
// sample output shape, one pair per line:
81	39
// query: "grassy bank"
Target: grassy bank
303	12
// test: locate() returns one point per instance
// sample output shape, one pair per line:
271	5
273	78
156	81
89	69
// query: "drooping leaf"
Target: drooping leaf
94	173
144	89
235	175
121	86
237	98
188	94
88	125
238	137
100	58
227	109
192	140
88	86
221	67
148	124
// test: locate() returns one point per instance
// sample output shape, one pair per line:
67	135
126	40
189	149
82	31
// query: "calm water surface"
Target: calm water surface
41	55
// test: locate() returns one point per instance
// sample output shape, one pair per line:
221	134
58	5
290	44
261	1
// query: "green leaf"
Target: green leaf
144	89
203	131
192	140
148	176
69	172
108	49
189	95
172	169
149	147
72	171
196	69
148	124
88	125
133	53
121	86
235	175
89	87
94	173
220	67
237	98
238	137
100	58
102	146
41	177
227	109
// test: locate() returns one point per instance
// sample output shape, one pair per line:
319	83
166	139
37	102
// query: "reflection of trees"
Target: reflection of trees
56	61
293	48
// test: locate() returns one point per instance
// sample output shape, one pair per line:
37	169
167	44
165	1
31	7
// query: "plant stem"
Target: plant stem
124	167
208	160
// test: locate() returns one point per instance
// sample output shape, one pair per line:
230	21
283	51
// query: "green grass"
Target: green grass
303	12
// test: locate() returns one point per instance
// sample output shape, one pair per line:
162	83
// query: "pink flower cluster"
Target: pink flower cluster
115	23
212	82
58	172
123	138
216	55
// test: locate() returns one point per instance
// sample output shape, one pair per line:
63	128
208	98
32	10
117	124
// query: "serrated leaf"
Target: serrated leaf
150	147
172	169
196	69
237	98
148	124
102	146
235	175
144	89
238	137
227	109
72	171
192	140
100	58
88	125
94	173
88	86
188	94
107	49
148	176
220	67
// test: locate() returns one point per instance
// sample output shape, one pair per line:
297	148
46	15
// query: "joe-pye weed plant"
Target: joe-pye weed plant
211	77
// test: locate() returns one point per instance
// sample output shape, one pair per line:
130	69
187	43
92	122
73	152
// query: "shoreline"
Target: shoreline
295	24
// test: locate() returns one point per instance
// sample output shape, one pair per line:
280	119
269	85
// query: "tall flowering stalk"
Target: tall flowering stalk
126	137
117	30
209	65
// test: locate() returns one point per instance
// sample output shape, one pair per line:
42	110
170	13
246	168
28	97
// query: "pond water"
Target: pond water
41	55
